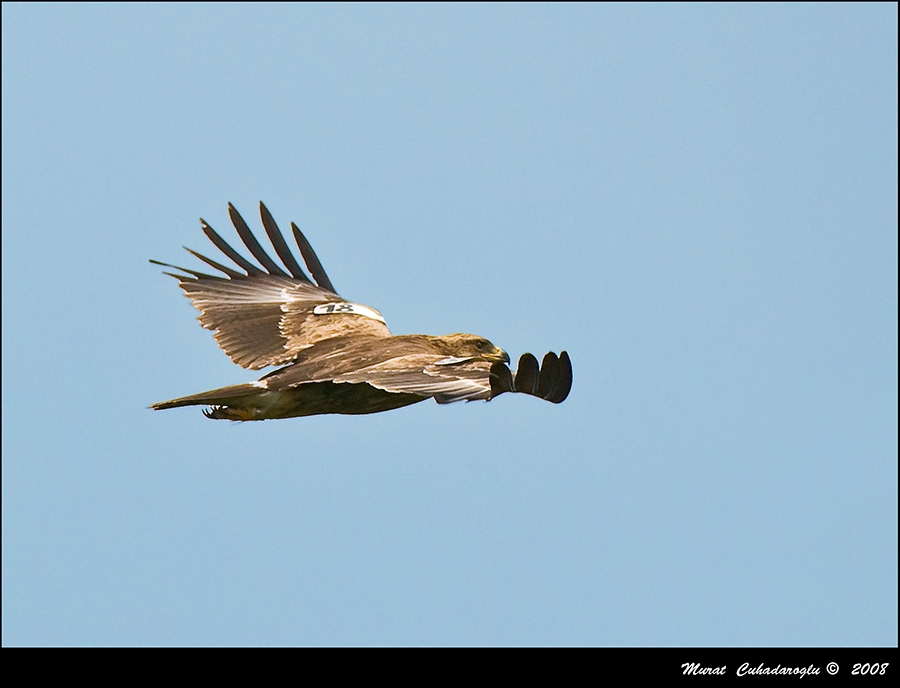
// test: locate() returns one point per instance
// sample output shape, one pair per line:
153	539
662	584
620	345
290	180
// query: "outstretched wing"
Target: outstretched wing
425	374
433	375
266	316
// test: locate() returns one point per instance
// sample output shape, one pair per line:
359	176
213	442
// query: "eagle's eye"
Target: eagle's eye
483	345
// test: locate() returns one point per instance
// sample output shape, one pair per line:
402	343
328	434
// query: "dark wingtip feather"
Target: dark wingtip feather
252	244
549	375
563	381
281	247
218	266
225	248
193	273
527	375
501	379
312	260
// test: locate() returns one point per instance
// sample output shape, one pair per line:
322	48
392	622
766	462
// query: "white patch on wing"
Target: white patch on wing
346	307
445	384
451	360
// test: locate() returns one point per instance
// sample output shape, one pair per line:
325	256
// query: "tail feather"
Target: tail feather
216	397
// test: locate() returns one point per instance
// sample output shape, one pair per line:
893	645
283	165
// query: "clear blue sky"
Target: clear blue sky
698	202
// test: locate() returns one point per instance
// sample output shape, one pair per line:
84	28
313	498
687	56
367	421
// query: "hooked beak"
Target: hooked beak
499	355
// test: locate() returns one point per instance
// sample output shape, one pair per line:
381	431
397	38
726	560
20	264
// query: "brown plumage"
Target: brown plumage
338	356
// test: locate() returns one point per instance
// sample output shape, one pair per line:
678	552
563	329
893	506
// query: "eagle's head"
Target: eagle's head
471	346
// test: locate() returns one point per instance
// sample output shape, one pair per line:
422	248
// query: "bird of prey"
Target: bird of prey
337	356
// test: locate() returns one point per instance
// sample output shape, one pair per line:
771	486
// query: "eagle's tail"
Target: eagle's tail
216	397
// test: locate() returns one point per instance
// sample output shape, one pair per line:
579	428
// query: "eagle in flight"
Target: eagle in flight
337	356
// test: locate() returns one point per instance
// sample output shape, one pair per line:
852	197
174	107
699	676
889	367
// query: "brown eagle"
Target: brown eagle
338	356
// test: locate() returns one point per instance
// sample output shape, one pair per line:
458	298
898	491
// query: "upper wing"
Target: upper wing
266	316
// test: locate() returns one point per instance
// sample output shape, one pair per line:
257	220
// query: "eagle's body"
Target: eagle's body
338	356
